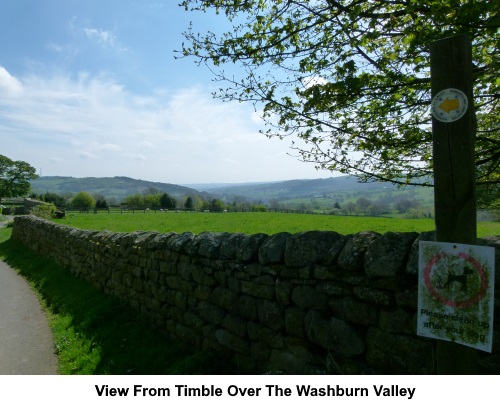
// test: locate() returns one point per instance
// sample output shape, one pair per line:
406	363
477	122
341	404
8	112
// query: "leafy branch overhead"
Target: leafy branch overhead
351	79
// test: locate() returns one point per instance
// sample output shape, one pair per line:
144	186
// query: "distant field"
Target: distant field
252	222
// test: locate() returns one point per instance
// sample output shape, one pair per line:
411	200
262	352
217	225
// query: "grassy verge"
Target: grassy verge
94	333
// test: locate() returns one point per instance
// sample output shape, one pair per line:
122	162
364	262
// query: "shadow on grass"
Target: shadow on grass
95	333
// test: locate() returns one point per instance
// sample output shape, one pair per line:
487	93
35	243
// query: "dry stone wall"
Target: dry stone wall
29	204
312	302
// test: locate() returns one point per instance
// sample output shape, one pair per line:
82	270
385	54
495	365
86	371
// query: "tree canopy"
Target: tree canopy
350	79
15	177
83	200
168	202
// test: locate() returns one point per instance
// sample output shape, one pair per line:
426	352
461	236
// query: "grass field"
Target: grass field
253	222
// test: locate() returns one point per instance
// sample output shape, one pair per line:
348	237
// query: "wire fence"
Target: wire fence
147	210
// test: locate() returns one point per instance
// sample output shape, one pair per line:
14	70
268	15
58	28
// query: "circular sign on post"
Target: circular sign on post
439	284
449	105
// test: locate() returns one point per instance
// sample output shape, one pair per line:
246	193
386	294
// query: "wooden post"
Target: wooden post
454	167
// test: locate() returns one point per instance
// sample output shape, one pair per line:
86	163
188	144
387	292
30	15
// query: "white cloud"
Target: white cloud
101	129
68	51
101	36
86	155
104	38
313	81
231	161
146	145
135	156
104	146
52	46
9	85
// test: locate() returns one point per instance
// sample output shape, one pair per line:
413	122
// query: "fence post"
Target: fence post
453	133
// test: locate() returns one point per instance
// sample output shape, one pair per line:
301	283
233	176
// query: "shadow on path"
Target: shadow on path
26	341
120	342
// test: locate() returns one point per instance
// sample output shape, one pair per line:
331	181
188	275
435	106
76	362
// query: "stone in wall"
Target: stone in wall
387	256
272	249
248	250
353	255
306	296
313	247
355	311
335	334
296	357
399	354
230	245
177	243
412	265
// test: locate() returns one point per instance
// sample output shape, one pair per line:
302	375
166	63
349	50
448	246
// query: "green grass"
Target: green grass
94	333
253	222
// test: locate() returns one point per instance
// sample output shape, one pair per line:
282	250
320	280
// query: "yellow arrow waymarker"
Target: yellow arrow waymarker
449	105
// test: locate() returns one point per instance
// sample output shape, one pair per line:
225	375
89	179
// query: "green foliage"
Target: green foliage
15	177
134	201
259	208
100	202
168	202
406	204
53	198
152	201
216	205
83	200
351	79
189	204
198	202
489	199
45	211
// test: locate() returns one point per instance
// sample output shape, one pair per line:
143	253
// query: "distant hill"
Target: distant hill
109	187
286	190
220	186
322	195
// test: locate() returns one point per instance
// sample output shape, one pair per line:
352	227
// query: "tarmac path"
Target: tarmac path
26	341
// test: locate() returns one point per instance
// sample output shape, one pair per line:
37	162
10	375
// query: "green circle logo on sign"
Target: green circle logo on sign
449	105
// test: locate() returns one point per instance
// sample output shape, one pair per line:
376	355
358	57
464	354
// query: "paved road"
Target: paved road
26	341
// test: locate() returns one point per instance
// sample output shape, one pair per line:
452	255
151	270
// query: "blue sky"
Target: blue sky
92	88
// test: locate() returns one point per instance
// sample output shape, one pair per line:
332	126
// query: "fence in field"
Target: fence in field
146	210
